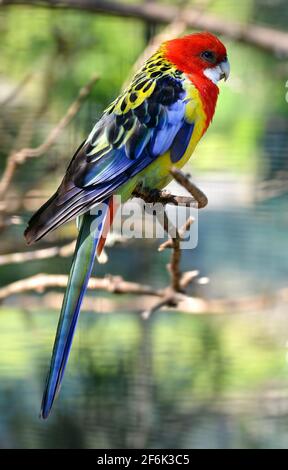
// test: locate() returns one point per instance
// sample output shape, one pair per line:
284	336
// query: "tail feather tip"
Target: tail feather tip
29	235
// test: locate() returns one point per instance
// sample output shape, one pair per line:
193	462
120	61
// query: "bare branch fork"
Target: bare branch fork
179	281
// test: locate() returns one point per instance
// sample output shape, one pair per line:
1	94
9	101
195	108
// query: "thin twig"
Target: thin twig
168	243
44	253
174	265
19	157
188	277
166	301
195	192
63	251
52	300
41	282
15	92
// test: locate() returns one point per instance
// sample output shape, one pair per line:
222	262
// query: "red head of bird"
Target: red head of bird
199	55
203	58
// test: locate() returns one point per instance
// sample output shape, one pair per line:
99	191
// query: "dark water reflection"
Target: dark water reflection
176	380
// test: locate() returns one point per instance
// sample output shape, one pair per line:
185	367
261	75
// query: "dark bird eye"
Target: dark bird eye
209	56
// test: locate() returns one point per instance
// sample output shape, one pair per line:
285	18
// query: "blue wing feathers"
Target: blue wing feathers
181	142
133	140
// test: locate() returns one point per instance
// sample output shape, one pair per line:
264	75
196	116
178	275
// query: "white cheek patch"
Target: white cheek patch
213	73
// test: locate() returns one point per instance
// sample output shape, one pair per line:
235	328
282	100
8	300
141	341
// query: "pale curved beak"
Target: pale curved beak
225	69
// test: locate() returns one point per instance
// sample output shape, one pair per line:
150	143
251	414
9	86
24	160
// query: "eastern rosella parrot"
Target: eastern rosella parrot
153	125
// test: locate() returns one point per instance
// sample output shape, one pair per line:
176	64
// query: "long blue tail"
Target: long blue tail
80	272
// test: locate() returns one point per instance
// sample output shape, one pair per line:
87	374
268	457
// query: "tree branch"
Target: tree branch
169	243
41	282
265	38
186	304
17	90
44	253
179	280
195	192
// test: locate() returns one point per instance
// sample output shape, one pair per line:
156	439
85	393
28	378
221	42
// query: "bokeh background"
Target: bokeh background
216	379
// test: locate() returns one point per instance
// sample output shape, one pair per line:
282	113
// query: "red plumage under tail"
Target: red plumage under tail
112	209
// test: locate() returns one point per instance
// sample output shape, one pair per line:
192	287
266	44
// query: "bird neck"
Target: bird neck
208	92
